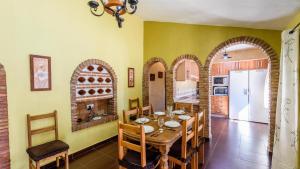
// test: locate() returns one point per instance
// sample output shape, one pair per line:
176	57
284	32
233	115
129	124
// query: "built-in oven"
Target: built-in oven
220	80
221	91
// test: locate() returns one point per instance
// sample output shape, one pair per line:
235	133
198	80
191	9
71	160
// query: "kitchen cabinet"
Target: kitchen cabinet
187	70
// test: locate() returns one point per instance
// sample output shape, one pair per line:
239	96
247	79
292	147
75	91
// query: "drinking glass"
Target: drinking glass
161	122
155	117
169	110
171	115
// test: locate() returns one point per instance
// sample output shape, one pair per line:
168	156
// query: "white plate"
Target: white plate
148	129
184	117
178	112
142	120
160	113
172	124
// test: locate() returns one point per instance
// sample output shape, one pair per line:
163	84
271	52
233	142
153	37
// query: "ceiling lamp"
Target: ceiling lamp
114	7
226	56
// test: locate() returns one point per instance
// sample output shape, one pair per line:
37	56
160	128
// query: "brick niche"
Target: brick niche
4	136
274	78
93	82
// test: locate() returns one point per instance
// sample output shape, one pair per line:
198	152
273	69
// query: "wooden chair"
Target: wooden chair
134	103
188	107
148	110
182	152
130	114
200	120
50	150
135	155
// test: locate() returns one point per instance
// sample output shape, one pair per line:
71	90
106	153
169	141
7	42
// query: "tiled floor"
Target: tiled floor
235	145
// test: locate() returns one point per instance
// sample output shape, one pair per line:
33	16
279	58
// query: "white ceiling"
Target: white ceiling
262	14
239	47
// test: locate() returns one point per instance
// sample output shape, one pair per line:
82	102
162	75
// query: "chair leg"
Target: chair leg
120	167
38	166
194	164
183	166
30	164
66	161
57	162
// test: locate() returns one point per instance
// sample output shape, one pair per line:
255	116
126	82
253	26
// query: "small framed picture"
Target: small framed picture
40	73
152	77
160	75
130	77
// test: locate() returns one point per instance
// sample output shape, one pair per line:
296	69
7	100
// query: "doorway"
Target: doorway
273	80
157	86
240	84
156	68
186	82
4	136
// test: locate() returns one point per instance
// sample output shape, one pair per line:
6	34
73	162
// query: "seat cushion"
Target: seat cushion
49	149
175	150
132	160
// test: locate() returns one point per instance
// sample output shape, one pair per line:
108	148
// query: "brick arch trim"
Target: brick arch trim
73	82
146	69
274	78
170	80
4	134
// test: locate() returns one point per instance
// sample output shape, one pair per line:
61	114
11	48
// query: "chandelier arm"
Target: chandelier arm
113	11
94	9
133	11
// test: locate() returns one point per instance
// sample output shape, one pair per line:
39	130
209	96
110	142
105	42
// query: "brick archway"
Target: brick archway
274	78
4	137
170	78
146	69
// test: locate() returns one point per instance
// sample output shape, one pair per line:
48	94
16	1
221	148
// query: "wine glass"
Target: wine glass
155	116
169	110
171	115
160	123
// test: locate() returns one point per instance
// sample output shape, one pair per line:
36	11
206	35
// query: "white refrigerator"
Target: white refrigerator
247	95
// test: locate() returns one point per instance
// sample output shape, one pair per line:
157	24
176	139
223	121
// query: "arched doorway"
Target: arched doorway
274	77
184	77
156	68
4	137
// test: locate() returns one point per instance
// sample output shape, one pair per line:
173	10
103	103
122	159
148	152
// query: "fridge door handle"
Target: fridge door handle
245	91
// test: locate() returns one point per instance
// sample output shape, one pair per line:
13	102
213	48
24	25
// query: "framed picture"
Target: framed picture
152	77
130	77
40	73
160	75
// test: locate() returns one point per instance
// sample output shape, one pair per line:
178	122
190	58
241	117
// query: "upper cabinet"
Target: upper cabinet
187	70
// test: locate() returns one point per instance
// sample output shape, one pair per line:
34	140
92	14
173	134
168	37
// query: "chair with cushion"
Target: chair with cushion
55	149
147	110
134	103
182	151
200	120
130	115
187	107
134	155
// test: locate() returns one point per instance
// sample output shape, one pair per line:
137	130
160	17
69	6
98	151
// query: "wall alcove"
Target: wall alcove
93	94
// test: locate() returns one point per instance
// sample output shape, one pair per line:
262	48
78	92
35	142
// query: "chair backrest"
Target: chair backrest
188	134
125	144
146	110
126	114
41	130
200	121
186	106
134	103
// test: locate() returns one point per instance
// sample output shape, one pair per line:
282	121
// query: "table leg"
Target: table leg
164	150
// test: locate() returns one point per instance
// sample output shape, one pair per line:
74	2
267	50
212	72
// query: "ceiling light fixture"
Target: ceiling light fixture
114	7
226	56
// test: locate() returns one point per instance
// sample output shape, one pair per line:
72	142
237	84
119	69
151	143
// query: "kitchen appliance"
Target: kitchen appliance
220	80
220	91
246	95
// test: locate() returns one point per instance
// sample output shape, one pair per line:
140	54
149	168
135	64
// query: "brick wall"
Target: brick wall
4	137
112	103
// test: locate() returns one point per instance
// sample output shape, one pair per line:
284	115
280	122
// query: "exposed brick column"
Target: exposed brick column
274	76
146	68
4	135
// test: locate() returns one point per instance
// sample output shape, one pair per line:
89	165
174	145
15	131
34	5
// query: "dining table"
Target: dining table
162	141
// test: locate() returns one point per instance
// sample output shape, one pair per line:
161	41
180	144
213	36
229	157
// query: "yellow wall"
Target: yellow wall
170	40
66	31
294	21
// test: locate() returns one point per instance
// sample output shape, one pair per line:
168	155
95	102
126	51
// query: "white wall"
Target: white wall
157	87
